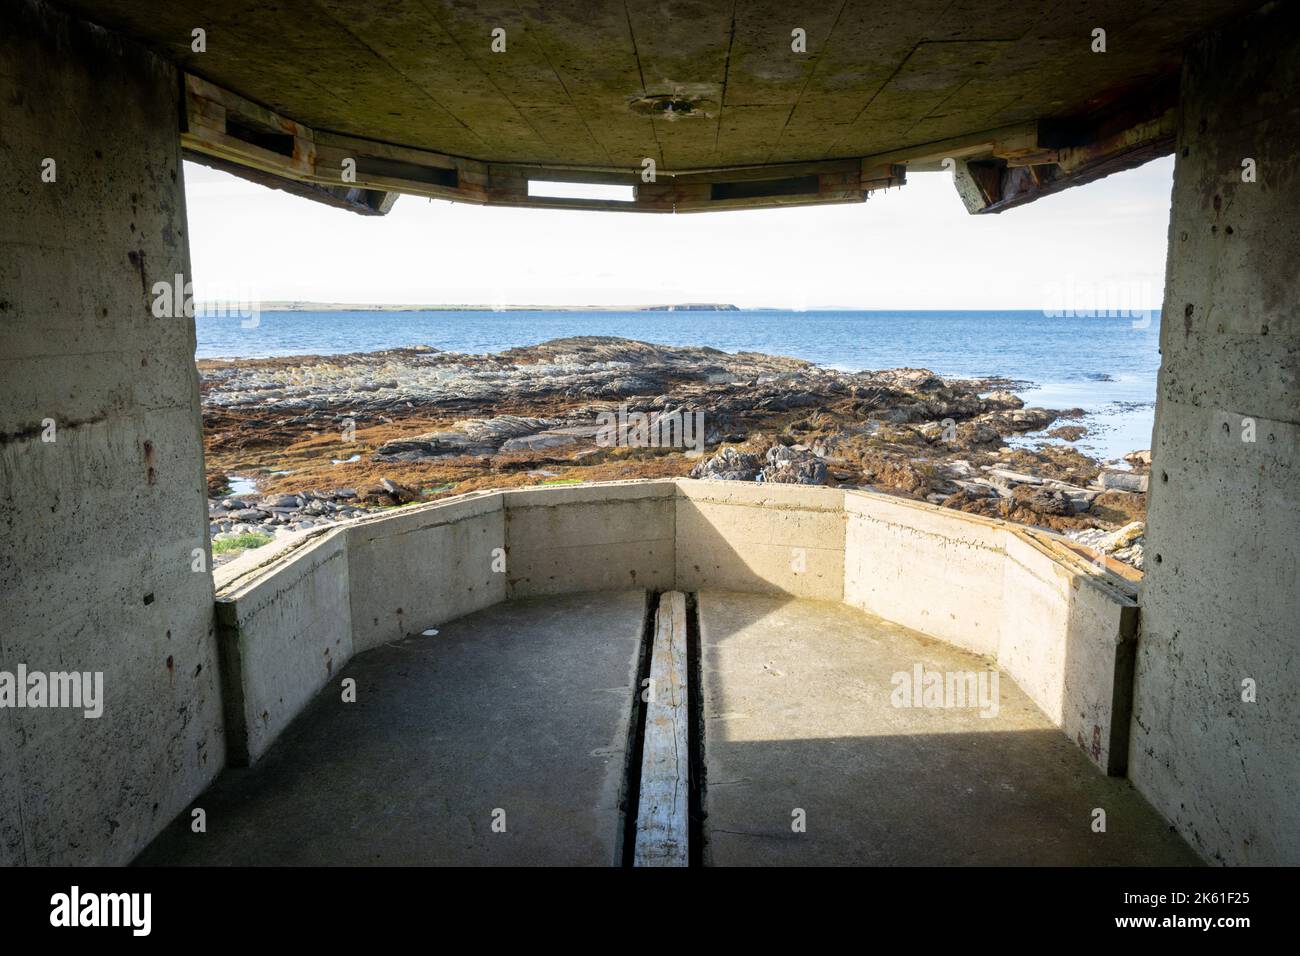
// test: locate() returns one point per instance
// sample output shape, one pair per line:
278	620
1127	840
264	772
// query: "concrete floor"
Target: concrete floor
523	707
526	707
798	715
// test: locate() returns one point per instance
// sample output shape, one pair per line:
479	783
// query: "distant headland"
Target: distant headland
296	306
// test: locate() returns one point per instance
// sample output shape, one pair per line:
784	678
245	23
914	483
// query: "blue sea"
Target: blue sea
1106	366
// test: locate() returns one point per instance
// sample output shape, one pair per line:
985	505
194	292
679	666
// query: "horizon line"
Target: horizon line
296	305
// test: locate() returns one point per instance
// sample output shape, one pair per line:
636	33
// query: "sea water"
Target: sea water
1105	365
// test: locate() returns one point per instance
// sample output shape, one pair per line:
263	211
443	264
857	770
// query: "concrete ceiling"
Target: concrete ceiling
590	83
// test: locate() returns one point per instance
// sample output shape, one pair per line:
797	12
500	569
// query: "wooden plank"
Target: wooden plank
362	201
338	144
662	821
210	112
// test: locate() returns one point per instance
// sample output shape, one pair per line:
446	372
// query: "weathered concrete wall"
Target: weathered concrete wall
1058	629
936	571
284	631
768	539
1051	621
420	567
1067	638
607	537
98	527
1221	601
289	619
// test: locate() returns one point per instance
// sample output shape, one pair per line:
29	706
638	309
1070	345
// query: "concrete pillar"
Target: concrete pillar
1221	601
98	526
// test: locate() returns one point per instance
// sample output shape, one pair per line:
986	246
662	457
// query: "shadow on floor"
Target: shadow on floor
519	716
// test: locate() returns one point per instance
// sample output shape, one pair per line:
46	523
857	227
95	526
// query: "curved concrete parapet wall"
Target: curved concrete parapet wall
417	567
1067	636
771	539
1062	628
283	626
934	570
602	537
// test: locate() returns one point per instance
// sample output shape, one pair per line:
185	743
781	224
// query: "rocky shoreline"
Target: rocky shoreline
328	438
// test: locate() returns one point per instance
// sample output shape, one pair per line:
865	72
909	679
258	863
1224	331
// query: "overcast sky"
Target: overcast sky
909	248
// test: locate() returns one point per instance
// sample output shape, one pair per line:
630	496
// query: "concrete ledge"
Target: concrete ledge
267	559
1062	628
596	491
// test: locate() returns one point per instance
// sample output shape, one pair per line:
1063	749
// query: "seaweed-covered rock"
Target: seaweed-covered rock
730	464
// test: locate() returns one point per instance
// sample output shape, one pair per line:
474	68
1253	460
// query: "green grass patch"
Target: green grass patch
563	481
241	543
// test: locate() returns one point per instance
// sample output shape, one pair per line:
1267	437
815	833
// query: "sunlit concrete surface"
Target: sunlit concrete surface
799	716
527	707
523	708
